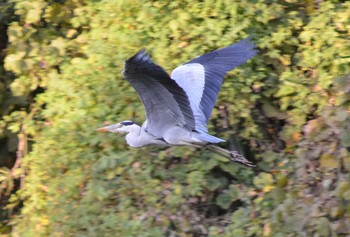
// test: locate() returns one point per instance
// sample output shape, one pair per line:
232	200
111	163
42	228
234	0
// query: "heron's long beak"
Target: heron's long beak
109	128
103	129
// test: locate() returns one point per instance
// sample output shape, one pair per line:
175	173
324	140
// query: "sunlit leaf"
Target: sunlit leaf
328	161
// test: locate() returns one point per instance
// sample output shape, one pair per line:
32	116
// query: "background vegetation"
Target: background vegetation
288	109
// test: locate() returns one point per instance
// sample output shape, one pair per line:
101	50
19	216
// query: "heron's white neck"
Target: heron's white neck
133	136
138	137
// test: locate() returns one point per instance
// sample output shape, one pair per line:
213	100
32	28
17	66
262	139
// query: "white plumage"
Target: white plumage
191	77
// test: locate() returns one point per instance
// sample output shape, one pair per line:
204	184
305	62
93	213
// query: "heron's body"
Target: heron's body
176	136
178	106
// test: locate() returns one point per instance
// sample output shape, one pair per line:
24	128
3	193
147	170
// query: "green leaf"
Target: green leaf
286	90
213	184
224	200
345	138
342	189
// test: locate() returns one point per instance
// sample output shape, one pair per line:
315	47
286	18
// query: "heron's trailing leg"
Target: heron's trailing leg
231	155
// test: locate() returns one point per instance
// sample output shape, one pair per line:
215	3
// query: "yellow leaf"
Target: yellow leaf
178	189
267	230
328	161
268	188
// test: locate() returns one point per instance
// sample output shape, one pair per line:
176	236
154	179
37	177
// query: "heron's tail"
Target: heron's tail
208	138
231	155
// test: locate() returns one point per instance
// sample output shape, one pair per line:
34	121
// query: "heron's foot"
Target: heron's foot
236	157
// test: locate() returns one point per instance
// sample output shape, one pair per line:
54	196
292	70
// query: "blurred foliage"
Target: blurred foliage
287	109
8	104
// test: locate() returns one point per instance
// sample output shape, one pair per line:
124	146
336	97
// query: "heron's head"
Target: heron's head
122	127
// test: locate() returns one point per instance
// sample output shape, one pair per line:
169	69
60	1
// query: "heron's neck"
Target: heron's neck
133	137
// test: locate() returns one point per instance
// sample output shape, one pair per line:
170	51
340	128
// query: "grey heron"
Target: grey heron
178	106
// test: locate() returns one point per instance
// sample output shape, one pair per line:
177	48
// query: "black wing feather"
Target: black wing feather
165	102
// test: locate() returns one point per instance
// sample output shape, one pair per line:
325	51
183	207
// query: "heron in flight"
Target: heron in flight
178	106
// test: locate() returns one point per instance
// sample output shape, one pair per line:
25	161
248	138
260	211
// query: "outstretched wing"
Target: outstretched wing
202	77
165	102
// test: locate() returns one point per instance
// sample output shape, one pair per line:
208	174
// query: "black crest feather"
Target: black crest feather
127	123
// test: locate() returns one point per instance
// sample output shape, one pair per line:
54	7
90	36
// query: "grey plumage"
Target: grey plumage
166	103
178	107
217	63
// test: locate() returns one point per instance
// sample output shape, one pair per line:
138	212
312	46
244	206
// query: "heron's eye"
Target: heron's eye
127	123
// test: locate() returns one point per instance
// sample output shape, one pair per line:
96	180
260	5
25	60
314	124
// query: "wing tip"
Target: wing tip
140	56
248	45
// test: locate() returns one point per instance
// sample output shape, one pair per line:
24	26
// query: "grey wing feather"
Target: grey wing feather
202	77
216	64
165	102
